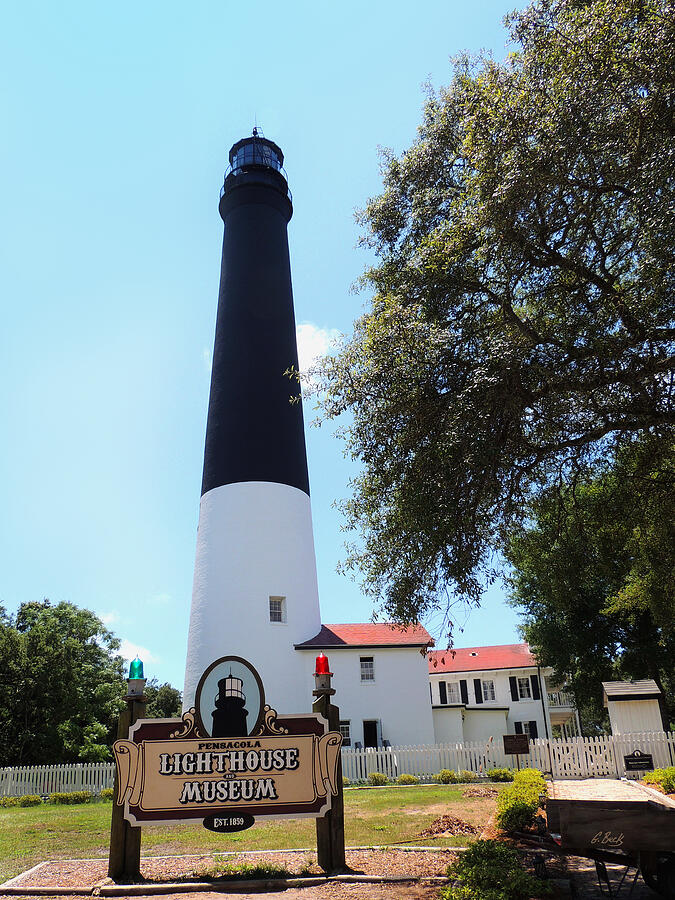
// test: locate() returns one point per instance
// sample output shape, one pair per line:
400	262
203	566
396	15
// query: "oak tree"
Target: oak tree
522	321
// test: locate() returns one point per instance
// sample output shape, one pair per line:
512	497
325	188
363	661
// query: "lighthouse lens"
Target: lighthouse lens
255	153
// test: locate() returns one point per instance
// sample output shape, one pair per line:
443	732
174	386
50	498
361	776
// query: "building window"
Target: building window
277	609
488	689
442	692
346	735
367	668
453	691
524	689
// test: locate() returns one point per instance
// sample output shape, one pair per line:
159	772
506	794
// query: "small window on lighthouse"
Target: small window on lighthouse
277	609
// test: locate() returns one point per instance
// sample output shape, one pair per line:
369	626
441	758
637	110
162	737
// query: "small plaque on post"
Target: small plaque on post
516	744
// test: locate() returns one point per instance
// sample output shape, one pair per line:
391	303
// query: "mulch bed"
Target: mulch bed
387	862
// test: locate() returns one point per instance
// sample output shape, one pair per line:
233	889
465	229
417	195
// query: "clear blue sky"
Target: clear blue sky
117	123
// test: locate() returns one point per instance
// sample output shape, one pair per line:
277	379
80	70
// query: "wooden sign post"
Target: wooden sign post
124	858
515	745
330	829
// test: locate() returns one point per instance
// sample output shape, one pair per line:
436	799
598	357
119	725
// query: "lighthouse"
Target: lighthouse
255	589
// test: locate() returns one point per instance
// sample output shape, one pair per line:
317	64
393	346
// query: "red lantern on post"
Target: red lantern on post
322	676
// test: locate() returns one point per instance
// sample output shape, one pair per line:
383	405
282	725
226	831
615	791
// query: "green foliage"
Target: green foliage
407	779
106	794
30	800
346	782
245	871
69	798
500	774
7	802
164	701
593	573
517	805
61	685
446	776
521	326
468	777
664	777
489	870
377	779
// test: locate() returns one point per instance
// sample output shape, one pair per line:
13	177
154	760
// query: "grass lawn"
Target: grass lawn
372	816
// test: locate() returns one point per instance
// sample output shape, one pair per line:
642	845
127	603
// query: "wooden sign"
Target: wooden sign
208	765
637	761
515	744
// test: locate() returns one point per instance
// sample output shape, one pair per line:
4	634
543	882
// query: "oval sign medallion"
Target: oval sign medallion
227	822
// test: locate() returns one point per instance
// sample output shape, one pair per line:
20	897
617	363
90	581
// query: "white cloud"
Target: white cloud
160	600
313	342
110	618
129	651
207	358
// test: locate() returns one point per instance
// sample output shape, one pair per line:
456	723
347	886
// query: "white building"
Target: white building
633	706
381	682
483	692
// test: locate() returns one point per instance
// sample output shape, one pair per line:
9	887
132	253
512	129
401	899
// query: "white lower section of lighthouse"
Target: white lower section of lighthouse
255	544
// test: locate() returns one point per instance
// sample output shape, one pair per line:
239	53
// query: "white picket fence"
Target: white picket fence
600	757
20	780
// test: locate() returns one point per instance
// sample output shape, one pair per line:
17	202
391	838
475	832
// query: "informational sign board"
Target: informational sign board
516	744
208	765
637	761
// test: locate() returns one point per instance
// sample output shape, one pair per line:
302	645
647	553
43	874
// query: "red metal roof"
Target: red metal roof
369	634
472	659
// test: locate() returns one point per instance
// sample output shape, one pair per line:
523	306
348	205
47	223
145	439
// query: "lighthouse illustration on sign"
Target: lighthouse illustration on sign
255	589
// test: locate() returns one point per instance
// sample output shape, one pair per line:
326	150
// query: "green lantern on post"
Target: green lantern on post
136	680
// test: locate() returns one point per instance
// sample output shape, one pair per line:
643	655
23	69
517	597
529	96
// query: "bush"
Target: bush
346	781
489	870
377	779
500	775
70	797
9	801
446	776
30	800
468	777
664	777
106	794
517	804
407	779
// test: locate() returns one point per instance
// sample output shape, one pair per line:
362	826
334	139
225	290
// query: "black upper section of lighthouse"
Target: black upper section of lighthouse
254	432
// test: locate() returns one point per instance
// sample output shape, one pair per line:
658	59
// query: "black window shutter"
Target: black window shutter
463	692
519	727
534	681
533	730
443	692
513	684
478	690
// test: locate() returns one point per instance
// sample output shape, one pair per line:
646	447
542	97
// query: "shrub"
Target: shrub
664	777
468	777
30	800
500	775
70	797
346	781
517	804
407	779
446	776
489	870
377	779
106	794
9	801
